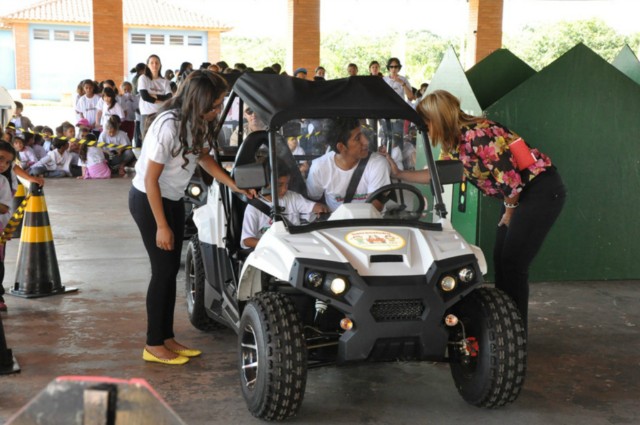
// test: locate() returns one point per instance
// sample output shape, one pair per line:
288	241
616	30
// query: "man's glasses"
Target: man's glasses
394	66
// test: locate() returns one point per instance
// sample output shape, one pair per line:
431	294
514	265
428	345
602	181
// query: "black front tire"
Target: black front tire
194	283
492	375
272	357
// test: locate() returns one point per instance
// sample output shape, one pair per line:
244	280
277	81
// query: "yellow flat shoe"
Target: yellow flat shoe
187	352
148	357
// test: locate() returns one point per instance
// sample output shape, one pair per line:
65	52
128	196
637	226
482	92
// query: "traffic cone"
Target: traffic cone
17	200
37	273
8	363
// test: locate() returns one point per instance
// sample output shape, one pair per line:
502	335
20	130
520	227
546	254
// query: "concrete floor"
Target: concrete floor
583	368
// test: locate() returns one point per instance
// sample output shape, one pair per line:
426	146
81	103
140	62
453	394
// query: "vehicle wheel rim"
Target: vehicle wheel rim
249	357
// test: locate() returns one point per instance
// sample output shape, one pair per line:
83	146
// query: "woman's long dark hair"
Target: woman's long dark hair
109	92
195	98
147	71
84	147
7	147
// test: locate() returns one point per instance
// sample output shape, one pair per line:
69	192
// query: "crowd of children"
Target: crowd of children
101	116
34	152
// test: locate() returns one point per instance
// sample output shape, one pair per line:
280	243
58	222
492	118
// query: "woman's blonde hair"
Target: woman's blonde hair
441	111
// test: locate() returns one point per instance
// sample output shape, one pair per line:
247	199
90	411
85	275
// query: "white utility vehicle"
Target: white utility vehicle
358	285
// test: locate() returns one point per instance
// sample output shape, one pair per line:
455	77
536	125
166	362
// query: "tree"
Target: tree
254	52
542	45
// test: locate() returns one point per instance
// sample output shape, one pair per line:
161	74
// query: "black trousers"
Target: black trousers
517	244
2	279
161	295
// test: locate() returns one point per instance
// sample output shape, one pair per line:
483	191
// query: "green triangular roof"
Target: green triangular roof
496	75
627	62
450	76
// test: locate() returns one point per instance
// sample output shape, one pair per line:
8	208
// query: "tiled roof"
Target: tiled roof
147	13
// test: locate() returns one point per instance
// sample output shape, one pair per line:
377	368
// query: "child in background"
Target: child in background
25	154
87	104
7	157
37	147
108	107
29	138
9	132
122	157
56	163
94	164
69	131
47	138
84	128
256	223
19	120
129	103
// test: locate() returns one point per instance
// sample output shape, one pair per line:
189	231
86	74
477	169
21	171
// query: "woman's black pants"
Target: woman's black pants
161	295
517	244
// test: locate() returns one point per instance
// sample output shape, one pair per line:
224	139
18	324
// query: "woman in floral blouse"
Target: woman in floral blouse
532	194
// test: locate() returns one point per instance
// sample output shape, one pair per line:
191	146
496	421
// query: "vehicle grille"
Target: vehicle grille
397	310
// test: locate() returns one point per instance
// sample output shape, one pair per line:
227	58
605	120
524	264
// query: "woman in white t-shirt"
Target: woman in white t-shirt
154	90
176	141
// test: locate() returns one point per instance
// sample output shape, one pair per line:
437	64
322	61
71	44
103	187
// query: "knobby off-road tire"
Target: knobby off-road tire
495	375
194	282
272	357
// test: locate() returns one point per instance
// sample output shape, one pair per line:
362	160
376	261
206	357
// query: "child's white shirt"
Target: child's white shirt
55	161
255	223
27	157
95	155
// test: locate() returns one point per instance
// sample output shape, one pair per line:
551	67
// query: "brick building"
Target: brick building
49	47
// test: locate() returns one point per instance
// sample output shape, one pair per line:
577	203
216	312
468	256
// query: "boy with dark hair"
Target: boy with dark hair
330	175
19	120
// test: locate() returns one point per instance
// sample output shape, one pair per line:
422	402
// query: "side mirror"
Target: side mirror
450	171
251	176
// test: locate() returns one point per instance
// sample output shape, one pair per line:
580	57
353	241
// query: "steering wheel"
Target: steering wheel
383	195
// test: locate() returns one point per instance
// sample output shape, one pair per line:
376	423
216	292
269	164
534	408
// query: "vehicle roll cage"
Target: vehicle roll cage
274	125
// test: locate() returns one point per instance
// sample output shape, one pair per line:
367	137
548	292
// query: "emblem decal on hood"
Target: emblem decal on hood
375	240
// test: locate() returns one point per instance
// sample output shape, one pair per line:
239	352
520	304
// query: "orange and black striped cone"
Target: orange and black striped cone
8	363
37	273
17	200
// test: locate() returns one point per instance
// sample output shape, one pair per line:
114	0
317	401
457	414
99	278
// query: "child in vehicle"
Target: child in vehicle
256	223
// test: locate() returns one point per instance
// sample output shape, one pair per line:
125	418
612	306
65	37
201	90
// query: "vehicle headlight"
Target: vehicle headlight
314	278
195	190
466	275
338	285
448	283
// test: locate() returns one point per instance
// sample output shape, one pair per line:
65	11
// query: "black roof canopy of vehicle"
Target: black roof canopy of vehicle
280	98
